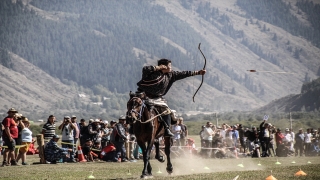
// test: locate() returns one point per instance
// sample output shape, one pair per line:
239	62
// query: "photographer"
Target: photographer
67	128
94	130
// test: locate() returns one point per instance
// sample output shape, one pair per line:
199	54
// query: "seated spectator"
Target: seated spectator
192	146
53	152
222	150
108	153
314	148
86	150
96	150
282	150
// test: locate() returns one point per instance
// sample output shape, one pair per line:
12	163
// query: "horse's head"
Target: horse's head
135	108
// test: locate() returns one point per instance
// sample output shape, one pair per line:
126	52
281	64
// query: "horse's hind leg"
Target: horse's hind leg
167	151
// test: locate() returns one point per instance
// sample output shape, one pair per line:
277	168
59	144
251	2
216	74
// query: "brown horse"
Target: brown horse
148	130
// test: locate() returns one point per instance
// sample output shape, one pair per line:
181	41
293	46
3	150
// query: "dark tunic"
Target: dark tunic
156	84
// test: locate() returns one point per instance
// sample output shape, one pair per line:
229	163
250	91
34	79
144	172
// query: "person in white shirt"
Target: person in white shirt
176	129
26	138
288	139
307	142
67	128
207	137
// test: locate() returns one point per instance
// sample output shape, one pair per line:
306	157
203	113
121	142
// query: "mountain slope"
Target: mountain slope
107	42
28	88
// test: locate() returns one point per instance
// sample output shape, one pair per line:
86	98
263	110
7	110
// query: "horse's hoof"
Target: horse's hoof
160	159
169	170
146	176
143	177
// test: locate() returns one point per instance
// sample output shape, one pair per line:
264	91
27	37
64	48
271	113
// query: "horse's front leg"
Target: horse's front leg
157	149
167	151
145	159
149	148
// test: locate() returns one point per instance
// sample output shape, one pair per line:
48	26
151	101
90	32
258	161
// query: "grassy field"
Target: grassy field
192	167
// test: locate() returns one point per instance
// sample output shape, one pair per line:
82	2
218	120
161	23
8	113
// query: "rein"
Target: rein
164	112
143	105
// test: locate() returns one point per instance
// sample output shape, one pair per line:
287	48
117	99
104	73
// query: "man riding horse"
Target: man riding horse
156	82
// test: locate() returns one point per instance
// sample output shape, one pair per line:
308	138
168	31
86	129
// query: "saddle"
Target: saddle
159	106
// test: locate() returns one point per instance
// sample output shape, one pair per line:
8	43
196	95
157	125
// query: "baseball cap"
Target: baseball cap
67	117
56	136
122	117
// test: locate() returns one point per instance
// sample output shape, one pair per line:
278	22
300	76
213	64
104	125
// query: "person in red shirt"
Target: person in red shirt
9	135
279	137
108	153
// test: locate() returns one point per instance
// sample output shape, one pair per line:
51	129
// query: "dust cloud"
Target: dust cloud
196	165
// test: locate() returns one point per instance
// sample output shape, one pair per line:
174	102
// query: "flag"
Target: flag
265	117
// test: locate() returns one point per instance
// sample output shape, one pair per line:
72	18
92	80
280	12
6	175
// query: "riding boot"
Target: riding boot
167	121
131	129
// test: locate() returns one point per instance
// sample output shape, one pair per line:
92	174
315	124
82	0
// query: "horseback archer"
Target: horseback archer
156	82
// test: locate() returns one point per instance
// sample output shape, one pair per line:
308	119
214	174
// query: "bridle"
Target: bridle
136	112
136	109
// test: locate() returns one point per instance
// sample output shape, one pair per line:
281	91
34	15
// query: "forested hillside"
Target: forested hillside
102	45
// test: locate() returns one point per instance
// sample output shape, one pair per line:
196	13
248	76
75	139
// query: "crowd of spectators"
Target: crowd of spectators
96	138
265	141
100	140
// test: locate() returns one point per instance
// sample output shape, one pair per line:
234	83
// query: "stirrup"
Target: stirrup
168	133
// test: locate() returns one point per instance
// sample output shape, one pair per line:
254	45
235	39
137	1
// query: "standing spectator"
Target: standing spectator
26	138
307	142
292	136
264	137
278	137
299	138
271	142
241	138
130	144
9	135
67	128
288	140
201	134
251	136
184	132
49	129
234	134
94	130
17	118
106	133
53	152
207	137
223	131
76	132
83	131
176	129
118	138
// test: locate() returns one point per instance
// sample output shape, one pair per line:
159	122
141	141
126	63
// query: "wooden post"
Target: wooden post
40	142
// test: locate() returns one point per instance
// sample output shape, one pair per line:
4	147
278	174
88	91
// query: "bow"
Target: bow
204	67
